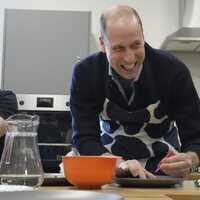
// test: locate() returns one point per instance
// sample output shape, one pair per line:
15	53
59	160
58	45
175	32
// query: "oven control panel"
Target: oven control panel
43	102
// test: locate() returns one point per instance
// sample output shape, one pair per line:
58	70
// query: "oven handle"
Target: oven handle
55	144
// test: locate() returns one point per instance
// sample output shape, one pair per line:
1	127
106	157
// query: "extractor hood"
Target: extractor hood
187	38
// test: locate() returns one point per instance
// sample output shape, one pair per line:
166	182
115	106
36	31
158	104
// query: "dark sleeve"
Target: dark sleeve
85	109
186	111
8	107
8	104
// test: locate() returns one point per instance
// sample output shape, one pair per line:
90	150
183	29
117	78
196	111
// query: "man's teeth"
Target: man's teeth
128	66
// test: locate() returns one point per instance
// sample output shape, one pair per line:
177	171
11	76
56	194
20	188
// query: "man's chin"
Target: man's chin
128	77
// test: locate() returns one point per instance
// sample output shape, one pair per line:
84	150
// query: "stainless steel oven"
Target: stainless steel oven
54	132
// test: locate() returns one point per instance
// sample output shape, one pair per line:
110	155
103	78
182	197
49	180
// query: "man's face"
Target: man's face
123	44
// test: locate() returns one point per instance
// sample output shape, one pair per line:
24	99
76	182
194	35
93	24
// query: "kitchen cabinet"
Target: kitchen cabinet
41	48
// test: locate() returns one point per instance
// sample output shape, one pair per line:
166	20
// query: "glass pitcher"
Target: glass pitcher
20	162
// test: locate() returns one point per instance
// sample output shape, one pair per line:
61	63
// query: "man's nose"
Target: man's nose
129	56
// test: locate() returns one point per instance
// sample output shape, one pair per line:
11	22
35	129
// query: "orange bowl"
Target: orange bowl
90	172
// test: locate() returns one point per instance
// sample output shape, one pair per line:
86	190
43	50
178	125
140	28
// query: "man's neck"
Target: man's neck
126	83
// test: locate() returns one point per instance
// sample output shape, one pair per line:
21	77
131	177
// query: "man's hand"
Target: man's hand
130	166
179	164
133	167
2	127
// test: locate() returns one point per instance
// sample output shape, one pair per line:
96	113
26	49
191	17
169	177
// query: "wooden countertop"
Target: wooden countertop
193	176
186	191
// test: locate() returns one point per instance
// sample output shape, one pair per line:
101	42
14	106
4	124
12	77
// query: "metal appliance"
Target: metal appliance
187	37
54	131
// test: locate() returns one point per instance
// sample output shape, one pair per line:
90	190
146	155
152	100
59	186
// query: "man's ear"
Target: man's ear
102	44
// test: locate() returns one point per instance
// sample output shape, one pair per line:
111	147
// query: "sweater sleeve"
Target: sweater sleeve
8	106
8	103
85	109
186	112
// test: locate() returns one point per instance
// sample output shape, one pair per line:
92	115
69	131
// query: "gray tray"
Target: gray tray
159	181
55	179
59	195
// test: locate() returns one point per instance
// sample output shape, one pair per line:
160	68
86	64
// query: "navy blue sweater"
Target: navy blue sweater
102	119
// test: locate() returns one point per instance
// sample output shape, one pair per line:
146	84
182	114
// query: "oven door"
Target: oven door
54	131
54	137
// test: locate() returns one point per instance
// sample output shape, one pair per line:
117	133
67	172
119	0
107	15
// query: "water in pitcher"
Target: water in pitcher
20	162
31	180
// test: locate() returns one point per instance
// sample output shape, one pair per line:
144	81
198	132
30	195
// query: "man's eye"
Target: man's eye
136	45
118	49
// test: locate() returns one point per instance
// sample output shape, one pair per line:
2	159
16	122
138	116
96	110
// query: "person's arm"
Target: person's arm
8	106
187	116
2	127
185	110
85	106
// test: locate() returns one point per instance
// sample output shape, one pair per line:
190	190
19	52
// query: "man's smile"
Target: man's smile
129	67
